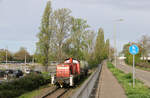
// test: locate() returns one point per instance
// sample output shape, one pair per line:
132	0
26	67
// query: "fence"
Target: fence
86	90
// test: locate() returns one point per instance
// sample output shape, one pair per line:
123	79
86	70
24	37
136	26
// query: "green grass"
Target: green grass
33	93
30	94
139	91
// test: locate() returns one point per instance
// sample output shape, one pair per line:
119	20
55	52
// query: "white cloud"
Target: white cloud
123	4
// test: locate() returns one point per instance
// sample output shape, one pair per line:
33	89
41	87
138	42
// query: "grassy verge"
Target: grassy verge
140	90
33	93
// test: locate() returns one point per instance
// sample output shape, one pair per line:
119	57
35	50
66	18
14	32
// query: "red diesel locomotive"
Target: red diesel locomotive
67	73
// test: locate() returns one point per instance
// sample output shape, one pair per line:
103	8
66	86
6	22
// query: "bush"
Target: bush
17	87
128	76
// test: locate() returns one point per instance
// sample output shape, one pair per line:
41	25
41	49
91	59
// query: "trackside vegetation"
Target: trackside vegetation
23	85
33	93
139	91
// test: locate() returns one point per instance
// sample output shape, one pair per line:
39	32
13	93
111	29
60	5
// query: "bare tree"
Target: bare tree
145	46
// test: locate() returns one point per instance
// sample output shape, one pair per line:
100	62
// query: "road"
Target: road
140	74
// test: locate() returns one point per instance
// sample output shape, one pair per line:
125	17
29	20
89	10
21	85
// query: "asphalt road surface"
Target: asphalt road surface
139	74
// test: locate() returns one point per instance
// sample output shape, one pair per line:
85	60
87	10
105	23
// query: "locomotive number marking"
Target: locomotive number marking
62	67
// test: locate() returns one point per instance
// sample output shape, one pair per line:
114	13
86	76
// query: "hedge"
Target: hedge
20	86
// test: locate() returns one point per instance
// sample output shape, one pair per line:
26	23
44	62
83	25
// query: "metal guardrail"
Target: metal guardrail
85	91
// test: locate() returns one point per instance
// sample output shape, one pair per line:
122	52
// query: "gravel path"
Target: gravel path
108	85
140	74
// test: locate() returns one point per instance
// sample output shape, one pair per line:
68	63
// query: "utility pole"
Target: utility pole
33	60
25	57
115	50
115	47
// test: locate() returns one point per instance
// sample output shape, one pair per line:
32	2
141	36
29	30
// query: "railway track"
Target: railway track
56	93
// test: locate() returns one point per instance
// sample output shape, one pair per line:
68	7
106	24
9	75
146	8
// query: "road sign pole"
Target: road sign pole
133	71
133	50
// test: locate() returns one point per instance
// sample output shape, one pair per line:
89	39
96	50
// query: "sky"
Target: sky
20	19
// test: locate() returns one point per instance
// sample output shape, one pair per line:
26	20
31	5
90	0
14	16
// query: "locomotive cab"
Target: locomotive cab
66	72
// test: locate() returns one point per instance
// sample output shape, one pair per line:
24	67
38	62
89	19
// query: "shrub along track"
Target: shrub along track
56	93
53	92
66	92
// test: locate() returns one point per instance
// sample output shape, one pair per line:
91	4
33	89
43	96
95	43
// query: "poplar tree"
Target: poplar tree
100	46
107	48
44	36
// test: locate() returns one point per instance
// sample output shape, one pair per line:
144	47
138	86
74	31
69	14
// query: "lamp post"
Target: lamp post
25	61
6	54
115	48
33	57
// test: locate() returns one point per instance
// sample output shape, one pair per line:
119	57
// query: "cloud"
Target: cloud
120	4
130	4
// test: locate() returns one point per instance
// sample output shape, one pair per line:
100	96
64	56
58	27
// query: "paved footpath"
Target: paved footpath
140	74
108	85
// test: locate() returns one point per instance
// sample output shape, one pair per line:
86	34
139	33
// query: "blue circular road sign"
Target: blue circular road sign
134	49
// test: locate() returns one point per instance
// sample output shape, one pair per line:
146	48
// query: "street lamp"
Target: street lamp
33	57
115	48
6	54
25	56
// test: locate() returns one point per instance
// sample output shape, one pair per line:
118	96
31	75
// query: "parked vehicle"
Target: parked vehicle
35	72
2	73
17	73
9	71
13	73
27	71
1	81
